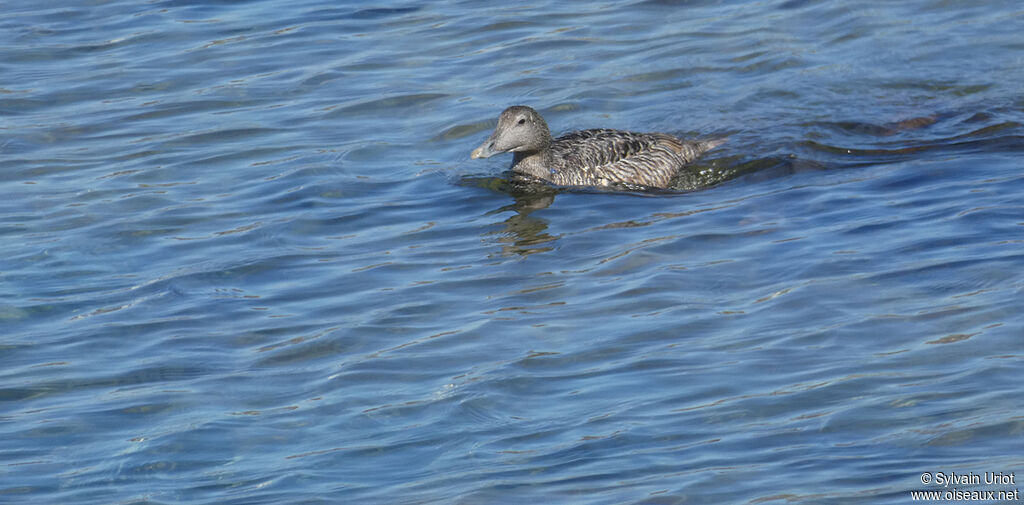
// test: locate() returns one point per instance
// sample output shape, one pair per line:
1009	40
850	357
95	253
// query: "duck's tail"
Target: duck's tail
707	145
690	150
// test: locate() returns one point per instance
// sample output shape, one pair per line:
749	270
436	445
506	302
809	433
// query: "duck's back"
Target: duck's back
601	157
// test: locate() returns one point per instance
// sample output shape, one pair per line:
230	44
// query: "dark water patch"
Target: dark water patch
380	13
1004	143
374	106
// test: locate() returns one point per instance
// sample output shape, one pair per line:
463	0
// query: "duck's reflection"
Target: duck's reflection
521	234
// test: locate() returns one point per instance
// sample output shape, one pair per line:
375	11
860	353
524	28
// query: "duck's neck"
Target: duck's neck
535	163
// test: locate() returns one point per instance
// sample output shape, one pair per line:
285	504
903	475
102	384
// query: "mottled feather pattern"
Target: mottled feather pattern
602	156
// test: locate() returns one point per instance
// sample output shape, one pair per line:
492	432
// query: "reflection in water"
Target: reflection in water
523	235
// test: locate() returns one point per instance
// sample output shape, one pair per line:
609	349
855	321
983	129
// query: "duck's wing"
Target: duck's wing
602	156
598	147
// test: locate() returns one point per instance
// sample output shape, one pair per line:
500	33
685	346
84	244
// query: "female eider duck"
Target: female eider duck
599	157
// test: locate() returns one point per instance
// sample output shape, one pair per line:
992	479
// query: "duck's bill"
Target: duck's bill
486	150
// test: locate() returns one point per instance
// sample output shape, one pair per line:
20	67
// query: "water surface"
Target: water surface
244	257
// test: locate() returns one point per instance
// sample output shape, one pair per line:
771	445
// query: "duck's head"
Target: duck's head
520	130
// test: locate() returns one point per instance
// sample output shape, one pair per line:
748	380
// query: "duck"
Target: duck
595	157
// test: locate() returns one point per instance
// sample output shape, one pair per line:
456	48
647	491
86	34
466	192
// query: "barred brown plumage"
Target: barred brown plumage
598	157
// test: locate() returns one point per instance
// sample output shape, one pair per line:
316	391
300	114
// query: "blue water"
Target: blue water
245	258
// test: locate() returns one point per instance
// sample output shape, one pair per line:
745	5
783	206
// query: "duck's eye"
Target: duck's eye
522	120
